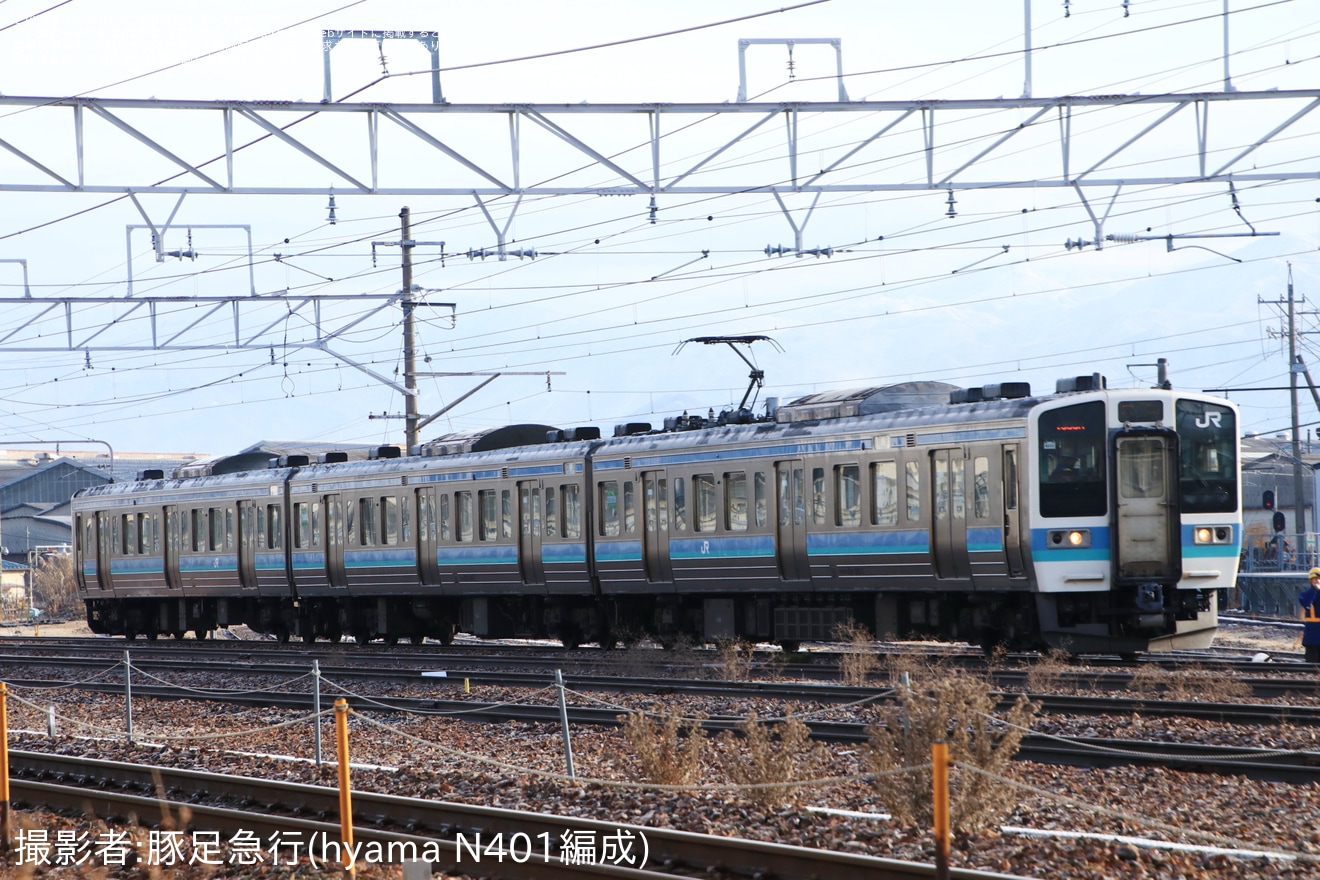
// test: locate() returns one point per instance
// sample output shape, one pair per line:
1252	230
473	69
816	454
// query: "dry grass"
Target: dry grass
957	708
857	664
735	660
669	750
1193	683
1046	673
772	756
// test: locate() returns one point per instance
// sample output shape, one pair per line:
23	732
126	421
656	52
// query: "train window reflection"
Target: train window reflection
848	495
912	488
389	520
551	513
486	505
703	487
445	518
981	487
609	509
572	495
274	527
884	493
506	515
735	502
818	496
680	505
761	499
463	511
629	509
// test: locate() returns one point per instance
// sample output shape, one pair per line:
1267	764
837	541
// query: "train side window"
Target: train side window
818	496
506	514
350	523
1010	479
912	486
445	519
216	532
316	522
761	497
551	513
146	523
463	512
609	508
229	528
115	531
703	489
369	533
735	502
274	527
981	487
389	520
629	508
848	495
425	517
185	530
884	493
258	533
680	505
302	526
957	488
572	495
405	520
128	534
486	512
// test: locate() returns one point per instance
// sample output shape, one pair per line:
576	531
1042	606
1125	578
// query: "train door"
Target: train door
791	522
247	545
1147	546
530	564
948	528
105	549
171	549
427	532
655	527
1012	518
334	541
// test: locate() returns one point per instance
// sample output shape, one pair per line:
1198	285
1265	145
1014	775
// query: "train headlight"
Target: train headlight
1212	535
1069	539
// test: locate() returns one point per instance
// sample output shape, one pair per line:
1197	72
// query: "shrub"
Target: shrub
735	660
957	708
774	756
666	756
856	666
1045	674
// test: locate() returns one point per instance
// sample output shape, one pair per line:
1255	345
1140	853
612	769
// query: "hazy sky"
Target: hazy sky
888	306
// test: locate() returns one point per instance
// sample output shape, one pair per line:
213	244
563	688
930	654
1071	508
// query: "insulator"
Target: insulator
1122	238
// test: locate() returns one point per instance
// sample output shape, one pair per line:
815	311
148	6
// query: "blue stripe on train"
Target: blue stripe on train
868	543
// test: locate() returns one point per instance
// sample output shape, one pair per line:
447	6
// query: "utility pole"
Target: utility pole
406	244
1295	366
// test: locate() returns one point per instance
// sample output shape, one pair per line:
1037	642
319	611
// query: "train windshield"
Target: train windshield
1072	461
1208	452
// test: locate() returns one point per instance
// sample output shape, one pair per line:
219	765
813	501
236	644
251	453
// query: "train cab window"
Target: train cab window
981	487
551	513
703	489
389	520
1072	460
761	498
609	509
735	502
848	495
572	498
680	505
1207	457
506	514
884	493
912	490
818	496
274	528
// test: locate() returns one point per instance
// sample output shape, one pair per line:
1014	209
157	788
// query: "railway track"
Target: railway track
230	804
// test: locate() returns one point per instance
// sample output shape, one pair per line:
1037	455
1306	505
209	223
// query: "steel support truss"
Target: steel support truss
324	148
192	323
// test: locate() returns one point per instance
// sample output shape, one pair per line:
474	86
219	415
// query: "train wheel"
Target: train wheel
179	634
202	634
790	646
335	636
308	636
130	634
391	640
361	636
151	636
417	638
282	635
446	635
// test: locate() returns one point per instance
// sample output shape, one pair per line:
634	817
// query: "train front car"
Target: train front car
1136	518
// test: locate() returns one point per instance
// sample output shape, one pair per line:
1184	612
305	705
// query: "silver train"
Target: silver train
1093	520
